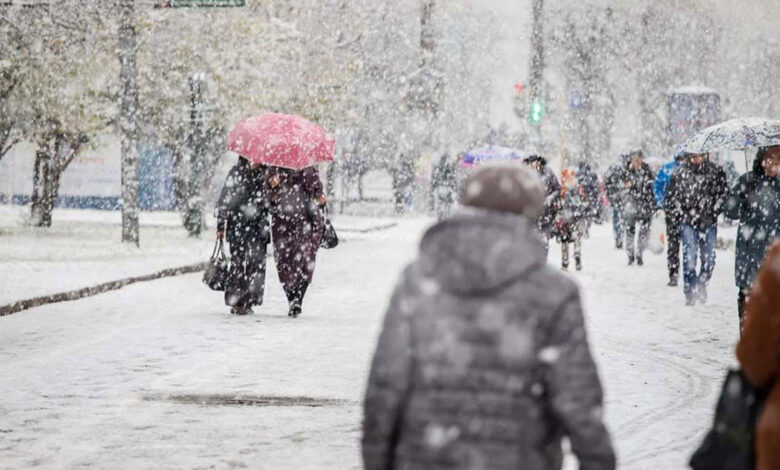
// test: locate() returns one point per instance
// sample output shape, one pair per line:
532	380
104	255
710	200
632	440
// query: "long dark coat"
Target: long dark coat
242	212
296	225
697	193
483	360
755	202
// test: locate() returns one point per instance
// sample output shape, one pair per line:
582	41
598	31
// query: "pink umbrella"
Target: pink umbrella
281	140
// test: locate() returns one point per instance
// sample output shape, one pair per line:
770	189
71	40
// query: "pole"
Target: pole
194	220
537	66
127	122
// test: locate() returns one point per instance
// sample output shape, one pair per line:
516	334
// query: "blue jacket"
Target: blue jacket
662	182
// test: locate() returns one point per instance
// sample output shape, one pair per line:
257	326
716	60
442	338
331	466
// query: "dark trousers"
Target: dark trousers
296	293
246	281
673	237
634	225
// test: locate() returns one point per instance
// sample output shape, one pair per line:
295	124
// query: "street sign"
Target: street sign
200	3
576	99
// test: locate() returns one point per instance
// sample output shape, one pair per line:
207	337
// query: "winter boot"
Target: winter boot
630	260
639	261
619	243
237	310
672	281
690	300
578	263
295	310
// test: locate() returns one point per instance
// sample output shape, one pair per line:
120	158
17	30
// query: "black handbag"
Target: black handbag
330	238
730	444
217	270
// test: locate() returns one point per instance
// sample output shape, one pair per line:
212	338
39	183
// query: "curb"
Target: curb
82	293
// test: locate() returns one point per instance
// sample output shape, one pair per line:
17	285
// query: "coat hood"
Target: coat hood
479	251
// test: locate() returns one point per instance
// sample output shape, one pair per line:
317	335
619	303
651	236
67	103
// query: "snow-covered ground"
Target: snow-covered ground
158	375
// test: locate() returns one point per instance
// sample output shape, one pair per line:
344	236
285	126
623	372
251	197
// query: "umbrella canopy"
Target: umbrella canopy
281	140
491	153
736	134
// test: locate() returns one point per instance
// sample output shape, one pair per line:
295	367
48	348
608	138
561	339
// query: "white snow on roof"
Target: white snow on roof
693	90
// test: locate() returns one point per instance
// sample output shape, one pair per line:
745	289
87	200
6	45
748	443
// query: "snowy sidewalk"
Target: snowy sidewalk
83	248
154	375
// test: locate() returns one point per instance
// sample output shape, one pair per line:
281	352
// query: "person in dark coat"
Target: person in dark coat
571	223
444	186
588	180
697	192
638	206
296	225
552	189
483	359
615	186
755	202
242	218
672	218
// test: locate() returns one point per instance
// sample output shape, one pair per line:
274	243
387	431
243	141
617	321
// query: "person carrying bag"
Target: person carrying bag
746	431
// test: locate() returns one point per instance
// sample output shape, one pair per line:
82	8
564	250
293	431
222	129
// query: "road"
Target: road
158	375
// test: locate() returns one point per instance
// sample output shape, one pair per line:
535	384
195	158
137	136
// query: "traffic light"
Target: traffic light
536	113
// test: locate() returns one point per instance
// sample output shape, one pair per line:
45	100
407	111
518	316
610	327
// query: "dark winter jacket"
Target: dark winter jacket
589	181
615	185
755	202
483	360
573	214
696	194
639	202
243	205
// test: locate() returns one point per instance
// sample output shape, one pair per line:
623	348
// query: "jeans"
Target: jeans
698	240
673	247
617	224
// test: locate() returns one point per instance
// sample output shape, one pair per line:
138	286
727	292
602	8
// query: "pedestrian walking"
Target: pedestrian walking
638	206
444	186
697	192
755	202
572	221
615	186
483	359
757	354
672	217
297	225
588	180
552	189
242	218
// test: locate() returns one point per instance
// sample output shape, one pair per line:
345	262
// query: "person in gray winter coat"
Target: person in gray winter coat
483	360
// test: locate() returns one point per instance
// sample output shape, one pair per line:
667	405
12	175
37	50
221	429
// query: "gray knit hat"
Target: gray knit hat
507	188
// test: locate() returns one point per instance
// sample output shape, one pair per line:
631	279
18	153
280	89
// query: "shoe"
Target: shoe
630	260
640	262
241	310
690	300
701	293
295	310
578	264
619	244
672	282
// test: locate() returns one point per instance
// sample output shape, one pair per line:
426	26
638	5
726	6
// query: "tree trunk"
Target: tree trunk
194	221
127	123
